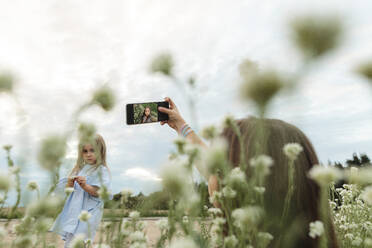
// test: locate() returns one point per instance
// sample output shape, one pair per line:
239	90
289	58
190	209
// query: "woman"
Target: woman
305	199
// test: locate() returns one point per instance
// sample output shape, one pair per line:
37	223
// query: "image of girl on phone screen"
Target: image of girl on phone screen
146	116
87	176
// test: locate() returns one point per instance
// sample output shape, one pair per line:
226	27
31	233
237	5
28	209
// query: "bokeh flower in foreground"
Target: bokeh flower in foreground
163	63
52	151
315	35
6	82
32	185
5	182
84	216
86	132
260	86
316	229
325	175
365	69
104	97
292	150
367	195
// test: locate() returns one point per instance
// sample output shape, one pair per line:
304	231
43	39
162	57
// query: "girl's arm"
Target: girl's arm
92	190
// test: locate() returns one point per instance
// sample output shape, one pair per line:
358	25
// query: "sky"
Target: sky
61	51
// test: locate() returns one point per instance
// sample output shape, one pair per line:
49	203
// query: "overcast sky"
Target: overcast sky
62	50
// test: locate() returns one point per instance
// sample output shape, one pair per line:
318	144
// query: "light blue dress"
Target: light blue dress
68	220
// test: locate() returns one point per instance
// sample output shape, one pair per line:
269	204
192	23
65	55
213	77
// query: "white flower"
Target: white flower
185	219
215	156
69	190
78	241
45	207
291	150
104	97
175	179
368	242
316	229
141	225
247	217
231	241
236	176
209	132
5	182
215	211
262	164
216	197
84	215
357	241
361	176
367	195
228	192
137	236
52	151
15	169
162	224
183	243
101	246
259	190
324	175
134	214
6	81
349	236
163	63
3	232
264	238
138	245
219	221
32	185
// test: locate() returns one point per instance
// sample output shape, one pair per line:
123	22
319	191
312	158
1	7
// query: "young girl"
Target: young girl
146	116
85	179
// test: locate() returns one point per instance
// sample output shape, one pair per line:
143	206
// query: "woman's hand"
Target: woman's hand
175	119
82	181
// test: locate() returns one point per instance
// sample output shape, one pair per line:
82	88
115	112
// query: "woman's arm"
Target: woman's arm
176	122
212	187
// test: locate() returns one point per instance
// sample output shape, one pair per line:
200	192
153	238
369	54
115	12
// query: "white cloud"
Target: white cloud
141	174
62	50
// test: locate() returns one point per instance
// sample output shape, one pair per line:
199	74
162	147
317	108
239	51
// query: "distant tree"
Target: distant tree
357	161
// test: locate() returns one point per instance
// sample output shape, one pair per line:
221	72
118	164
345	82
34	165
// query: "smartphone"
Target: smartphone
146	112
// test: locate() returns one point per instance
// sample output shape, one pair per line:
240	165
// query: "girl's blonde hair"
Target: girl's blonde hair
100	151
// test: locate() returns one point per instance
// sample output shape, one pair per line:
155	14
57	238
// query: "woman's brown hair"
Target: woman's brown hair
268	136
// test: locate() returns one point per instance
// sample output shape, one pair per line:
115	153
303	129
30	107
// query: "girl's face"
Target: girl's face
147	111
88	154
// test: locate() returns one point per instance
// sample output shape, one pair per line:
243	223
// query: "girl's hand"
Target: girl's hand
81	180
70	181
175	119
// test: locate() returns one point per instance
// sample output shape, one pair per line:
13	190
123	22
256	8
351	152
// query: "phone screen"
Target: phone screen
147	112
